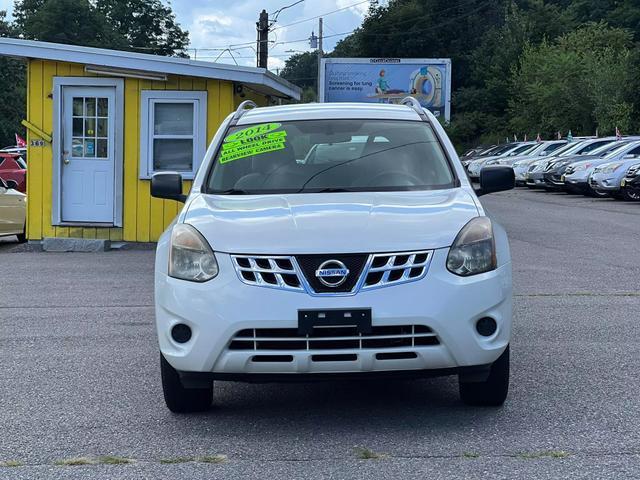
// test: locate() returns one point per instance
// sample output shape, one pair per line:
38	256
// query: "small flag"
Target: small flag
20	142
538	138
618	134
569	136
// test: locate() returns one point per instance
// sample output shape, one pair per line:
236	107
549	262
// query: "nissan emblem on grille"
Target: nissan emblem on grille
332	273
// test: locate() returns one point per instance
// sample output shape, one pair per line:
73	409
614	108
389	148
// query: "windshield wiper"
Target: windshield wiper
231	191
326	190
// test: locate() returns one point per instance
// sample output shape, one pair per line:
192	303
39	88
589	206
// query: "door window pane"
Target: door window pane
90	107
77	149
103	107
89	148
173	119
174	154
77	127
102	127
102	151
78	109
90	127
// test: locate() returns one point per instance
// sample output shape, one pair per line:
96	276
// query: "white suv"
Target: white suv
329	240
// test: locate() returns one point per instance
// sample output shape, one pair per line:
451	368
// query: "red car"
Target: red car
13	167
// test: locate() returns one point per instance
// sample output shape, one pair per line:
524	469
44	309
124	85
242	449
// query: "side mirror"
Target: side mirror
496	179
167	185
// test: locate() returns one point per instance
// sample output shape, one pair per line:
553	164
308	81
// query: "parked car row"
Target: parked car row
598	167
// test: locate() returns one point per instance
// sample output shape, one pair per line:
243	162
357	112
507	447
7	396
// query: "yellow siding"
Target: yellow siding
144	218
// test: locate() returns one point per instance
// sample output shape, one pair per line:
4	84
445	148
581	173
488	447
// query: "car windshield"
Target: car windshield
616	151
568	149
519	150
329	155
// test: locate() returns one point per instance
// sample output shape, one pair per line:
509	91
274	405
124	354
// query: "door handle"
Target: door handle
65	157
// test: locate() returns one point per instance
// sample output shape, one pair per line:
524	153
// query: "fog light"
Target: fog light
181	333
486	326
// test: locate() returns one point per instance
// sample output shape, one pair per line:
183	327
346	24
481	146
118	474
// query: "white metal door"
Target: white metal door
88	144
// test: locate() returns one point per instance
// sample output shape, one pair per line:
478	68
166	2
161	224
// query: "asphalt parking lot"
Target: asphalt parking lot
80	374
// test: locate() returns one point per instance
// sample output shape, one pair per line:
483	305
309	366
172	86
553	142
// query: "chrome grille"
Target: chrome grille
268	271
285	273
392	269
334	338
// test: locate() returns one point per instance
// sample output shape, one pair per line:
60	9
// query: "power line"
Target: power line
394	34
318	16
279	11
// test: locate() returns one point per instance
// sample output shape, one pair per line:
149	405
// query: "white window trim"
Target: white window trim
151	97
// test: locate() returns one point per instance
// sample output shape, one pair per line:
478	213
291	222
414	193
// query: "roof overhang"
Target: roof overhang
259	79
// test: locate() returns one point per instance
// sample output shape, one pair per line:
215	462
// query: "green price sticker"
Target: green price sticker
252	141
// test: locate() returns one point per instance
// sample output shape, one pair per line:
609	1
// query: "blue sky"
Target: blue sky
219	23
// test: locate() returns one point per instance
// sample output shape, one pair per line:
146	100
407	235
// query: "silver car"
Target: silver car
576	176
474	167
535	173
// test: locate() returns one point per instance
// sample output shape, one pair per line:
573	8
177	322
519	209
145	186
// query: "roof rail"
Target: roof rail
415	104
241	110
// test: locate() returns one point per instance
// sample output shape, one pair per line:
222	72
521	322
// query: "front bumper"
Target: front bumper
535	179
604	183
576	183
448	305
553	180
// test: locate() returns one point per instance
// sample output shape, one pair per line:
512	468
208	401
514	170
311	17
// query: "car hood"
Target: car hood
346	222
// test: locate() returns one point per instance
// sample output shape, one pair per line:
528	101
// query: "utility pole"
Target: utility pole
263	39
319	55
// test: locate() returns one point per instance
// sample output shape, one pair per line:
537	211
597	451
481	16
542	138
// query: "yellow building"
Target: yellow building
101	122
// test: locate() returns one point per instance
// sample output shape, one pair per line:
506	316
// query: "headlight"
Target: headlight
611	168
191	257
584	166
474	249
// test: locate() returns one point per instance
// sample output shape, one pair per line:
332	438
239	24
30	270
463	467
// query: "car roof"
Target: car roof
317	111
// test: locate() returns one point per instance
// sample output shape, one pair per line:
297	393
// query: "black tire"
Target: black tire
597	193
630	194
22	237
180	399
493	391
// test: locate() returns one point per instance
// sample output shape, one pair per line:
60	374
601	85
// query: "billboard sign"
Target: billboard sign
388	80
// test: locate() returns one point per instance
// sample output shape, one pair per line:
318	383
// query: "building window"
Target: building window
173	132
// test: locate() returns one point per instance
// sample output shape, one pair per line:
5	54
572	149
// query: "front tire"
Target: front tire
493	391
591	192
22	237
631	195
180	399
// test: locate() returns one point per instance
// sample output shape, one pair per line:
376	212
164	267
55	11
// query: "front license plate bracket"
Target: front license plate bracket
357	317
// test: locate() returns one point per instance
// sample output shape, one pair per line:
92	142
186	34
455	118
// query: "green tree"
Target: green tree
580	82
147	25
12	81
74	22
302	69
